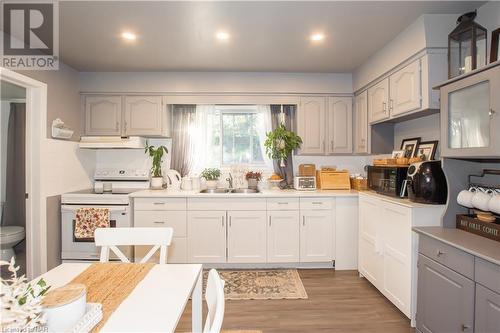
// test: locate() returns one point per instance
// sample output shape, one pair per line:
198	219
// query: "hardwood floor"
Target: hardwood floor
338	302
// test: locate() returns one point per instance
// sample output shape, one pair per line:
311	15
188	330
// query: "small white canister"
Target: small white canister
64	307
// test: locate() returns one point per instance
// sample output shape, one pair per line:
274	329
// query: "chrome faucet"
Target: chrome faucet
230	180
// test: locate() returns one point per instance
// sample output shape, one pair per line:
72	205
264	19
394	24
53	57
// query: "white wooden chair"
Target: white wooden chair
214	296
110	238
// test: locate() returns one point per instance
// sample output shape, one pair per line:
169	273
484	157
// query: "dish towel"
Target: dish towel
88	219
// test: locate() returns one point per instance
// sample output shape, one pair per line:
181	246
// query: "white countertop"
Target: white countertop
262	194
398	201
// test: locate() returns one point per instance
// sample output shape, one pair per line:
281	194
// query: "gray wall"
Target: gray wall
63	97
428	128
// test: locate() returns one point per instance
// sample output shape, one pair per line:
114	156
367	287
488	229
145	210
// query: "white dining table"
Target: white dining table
157	302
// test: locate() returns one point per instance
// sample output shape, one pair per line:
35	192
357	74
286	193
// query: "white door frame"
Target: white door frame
36	136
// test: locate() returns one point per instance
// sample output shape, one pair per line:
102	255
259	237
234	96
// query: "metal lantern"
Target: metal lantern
466	46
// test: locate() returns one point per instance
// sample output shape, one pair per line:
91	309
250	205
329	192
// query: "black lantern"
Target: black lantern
466	46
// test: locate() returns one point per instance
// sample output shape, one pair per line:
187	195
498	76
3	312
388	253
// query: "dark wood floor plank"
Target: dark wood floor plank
339	302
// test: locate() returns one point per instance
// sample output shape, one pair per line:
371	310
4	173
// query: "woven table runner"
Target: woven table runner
110	283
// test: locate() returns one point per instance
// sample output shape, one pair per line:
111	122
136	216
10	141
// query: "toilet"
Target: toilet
10	236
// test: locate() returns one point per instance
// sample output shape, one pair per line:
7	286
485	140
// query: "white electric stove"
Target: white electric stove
111	190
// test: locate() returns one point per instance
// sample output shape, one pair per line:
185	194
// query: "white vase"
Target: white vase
212	184
157	183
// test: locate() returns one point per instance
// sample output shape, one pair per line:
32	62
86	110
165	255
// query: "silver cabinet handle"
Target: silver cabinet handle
491	112
159	222
223	221
331	145
317	203
303	220
230	219
439	253
391	104
117	126
269	220
158	203
323	145
125	126
282	203
384	106
465	327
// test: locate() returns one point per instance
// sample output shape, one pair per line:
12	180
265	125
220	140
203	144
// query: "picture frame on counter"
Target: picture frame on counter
427	150
410	146
398	154
495	45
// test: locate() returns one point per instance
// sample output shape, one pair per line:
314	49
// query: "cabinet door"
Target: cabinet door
378	100
370	260
396	233
103	115
206	236
445	299
143	115
361	123
311	125
316	236
283	236
406	89
339	129
246	237
487	319
470	116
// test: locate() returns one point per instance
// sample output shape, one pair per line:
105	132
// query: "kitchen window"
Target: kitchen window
230	135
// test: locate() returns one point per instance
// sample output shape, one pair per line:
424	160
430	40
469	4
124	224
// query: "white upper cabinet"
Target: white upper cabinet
378	101
112	115
143	115
311	125
246	237
339	129
405	89
361	123
103	115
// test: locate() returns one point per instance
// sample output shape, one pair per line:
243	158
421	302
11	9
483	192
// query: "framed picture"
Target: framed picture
410	147
495	45
398	154
427	150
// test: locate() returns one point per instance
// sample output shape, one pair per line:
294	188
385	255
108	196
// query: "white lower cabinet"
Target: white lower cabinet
246	237
316	235
387	250
206	236
283	236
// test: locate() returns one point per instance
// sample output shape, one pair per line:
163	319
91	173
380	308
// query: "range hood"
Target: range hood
112	142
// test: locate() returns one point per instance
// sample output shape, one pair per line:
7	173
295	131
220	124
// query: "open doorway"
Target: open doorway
13	174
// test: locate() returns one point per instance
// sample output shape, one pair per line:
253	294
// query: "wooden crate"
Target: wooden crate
359	184
472	224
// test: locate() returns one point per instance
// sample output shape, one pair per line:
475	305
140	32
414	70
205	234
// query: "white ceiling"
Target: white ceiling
265	36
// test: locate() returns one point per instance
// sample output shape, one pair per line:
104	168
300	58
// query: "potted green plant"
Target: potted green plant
280	143
157	156
211	177
253	178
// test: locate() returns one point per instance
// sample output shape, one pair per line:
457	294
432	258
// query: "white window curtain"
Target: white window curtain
264	125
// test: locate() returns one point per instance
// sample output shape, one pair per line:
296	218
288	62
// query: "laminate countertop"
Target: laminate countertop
263	194
478	246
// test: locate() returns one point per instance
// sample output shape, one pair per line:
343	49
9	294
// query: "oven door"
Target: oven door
75	249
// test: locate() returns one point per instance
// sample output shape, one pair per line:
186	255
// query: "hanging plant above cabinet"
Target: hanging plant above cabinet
280	143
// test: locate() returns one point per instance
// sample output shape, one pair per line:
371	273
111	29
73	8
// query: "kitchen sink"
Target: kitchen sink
235	191
218	190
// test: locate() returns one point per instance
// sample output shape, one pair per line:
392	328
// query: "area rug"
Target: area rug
261	284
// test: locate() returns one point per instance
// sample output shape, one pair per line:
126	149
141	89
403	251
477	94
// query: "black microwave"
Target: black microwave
388	180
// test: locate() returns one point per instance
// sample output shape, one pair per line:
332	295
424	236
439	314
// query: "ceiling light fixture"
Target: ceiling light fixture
127	35
222	35
317	37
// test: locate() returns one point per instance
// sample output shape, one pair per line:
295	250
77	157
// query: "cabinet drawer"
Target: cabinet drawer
447	255
316	203
173	219
283	204
160	204
487	274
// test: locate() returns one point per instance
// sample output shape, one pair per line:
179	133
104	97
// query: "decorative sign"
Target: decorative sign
471	224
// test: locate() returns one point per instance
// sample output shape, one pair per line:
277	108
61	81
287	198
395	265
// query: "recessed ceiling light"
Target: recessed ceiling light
222	35
317	37
127	35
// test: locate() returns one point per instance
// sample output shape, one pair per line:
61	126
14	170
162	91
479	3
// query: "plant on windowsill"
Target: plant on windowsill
211	177
280	144
253	178
157	155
